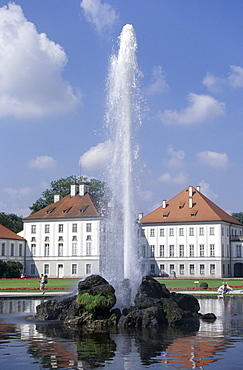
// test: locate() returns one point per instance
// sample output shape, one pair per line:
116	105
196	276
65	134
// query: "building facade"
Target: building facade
13	246
63	238
190	236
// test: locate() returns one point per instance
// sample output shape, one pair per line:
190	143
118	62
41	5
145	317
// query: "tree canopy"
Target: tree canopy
238	216
11	221
97	188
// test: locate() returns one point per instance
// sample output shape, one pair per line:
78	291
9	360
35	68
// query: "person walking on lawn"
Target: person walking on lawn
42	284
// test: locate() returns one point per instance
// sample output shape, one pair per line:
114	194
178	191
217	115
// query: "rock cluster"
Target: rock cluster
91	308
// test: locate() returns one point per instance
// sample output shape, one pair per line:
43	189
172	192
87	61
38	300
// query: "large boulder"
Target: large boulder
186	302
149	292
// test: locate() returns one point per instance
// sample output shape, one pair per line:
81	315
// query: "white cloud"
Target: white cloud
18	193
97	156
205	189
43	162
177	157
234	79
236	76
179	178
31	68
214	159
158	83
145	195
200	109
101	15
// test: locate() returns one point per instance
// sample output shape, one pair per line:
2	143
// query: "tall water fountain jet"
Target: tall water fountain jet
120	252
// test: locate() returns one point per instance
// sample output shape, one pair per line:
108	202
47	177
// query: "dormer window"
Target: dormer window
50	210
165	215
82	210
66	210
181	205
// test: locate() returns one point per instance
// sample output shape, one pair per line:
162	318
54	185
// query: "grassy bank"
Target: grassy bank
194	284
32	285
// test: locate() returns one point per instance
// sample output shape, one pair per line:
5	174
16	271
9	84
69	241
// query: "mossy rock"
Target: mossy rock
96	303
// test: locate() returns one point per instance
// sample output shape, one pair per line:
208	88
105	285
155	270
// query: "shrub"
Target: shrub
204	285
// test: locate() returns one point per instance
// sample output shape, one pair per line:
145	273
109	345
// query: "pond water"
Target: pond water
49	345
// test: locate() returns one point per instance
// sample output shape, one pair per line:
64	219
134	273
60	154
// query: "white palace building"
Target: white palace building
188	235
193	237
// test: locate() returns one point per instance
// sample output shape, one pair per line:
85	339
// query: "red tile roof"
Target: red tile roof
8	234
177	210
69	207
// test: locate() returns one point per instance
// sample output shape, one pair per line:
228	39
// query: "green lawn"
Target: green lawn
34	285
187	284
58	285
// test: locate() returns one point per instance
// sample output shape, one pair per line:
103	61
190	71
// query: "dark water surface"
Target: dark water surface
28	345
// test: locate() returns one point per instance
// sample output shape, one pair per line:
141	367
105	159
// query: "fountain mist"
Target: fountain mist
120	252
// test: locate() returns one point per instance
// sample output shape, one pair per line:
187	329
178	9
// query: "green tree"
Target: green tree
10	269
238	216
62	187
11	221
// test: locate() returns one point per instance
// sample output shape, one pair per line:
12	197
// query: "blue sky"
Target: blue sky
54	59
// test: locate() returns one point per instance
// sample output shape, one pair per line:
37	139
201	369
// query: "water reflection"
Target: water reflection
52	345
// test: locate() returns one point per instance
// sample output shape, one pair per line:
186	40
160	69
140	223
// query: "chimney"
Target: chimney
164	203
83	189
56	197
190	202
140	215
190	191
199	188
73	190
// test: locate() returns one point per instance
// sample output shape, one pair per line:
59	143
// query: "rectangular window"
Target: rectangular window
88	227
181	231
47	228
212	250
142	232
212	269
46	269
191	231
172	269
60	249
47	249
238	251
144	251
223	269
74	249
222	231
228	250
182	269
191	250
171	232
3	249
152	268
33	229
222	250
33	249
211	230
171	250
152	232
12	250
228	269
88	248
88	268
161	232
181	248
152	248
60	228
74	269
74	228
192	270
201	248
32	269
162	268
202	269
227	231
201	230
161	250
20	250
